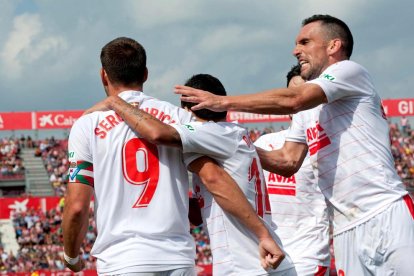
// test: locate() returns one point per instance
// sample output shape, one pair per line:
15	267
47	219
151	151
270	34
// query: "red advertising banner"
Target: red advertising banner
244	117
398	107
15	120
56	119
65	119
22	204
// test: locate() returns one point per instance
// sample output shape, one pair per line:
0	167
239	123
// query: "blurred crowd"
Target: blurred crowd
55	158
402	147
11	163
39	235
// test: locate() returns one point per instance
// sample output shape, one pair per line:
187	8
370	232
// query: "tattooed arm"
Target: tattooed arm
148	127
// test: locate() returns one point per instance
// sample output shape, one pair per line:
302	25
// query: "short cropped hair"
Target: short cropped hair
124	61
335	28
211	84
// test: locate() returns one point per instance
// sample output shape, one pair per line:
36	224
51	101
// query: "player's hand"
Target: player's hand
270	253
203	98
101	106
80	265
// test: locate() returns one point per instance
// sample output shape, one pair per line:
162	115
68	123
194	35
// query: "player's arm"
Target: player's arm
75	221
285	161
149	127
231	199
274	101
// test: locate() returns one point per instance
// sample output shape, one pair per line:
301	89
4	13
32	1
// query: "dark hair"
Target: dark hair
211	84
124	61
335	28
293	72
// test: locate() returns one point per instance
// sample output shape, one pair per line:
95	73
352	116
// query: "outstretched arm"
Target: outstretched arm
285	161
275	101
75	222
149	127
231	199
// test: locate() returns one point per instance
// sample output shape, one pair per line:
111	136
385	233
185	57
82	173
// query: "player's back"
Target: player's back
233	246
141	190
298	208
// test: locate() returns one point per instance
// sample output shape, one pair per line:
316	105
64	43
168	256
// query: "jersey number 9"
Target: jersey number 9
140	165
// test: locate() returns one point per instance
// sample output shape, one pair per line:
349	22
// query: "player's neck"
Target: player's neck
115	90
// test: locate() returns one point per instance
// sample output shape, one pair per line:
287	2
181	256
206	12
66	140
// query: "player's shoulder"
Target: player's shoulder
232	127
150	100
86	119
345	68
271	138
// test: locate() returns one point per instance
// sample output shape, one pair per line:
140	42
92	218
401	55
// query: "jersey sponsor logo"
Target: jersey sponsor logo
81	172
280	185
328	77
71	154
317	138
189	127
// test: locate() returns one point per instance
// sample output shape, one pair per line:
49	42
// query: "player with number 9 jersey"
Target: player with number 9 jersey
140	190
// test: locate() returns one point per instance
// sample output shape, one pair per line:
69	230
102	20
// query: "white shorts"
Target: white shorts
383	245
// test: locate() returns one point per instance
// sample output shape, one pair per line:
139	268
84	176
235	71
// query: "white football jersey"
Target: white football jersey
141	190
349	146
233	246
298	208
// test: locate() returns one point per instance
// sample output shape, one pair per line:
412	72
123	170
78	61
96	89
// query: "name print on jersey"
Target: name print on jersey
317	138
112	120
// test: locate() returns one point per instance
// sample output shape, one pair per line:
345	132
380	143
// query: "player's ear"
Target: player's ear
104	77
145	75
334	46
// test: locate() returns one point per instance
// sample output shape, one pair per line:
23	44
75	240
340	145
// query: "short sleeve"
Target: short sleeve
209	139
79	150
297	131
345	79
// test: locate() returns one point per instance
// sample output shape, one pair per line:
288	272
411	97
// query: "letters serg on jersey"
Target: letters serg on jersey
112	120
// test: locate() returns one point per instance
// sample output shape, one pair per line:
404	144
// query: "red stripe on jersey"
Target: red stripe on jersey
410	205
315	147
282	191
321	270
